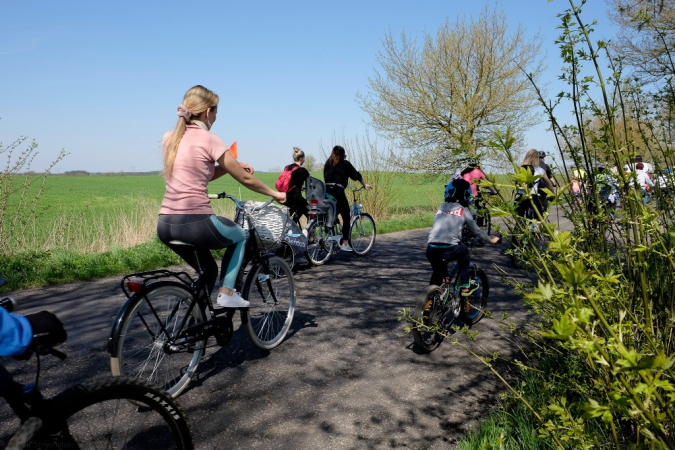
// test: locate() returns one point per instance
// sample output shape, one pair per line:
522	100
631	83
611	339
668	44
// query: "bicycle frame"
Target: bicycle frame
217	324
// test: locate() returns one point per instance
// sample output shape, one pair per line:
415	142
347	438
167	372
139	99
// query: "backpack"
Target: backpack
284	179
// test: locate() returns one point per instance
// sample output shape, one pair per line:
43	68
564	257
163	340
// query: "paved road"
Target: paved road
347	376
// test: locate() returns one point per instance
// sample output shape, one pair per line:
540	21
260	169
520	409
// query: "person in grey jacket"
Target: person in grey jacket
445	239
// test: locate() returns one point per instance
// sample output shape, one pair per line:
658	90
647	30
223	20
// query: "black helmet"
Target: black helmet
473	162
542	154
458	190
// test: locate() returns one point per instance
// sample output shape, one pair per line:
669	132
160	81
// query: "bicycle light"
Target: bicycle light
314	201
134	286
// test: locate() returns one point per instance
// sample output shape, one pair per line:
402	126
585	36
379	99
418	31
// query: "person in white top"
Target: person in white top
644	181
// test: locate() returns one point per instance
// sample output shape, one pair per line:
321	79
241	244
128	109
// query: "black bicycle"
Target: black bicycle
160	333
112	413
436	311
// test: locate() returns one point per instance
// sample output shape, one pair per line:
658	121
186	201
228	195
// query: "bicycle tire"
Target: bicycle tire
271	293
428	312
142	356
362	234
104	414
285	252
474	306
319	247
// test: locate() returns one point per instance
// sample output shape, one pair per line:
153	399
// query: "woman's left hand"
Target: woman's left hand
367	186
246	167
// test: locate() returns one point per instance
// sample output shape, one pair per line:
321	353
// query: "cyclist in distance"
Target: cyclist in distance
472	173
542	196
296	203
607	187
531	162
336	173
646	184
445	239
193	156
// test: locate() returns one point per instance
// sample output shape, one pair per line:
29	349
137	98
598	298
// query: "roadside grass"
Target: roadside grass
511	425
91	227
32	268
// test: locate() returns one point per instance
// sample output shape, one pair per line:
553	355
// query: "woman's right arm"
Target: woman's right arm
232	166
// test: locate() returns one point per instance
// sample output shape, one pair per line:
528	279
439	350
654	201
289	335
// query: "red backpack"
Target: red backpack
284	179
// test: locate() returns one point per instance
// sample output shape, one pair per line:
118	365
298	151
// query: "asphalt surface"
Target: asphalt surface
346	377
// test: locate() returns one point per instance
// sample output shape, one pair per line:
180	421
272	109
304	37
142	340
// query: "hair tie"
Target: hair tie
184	113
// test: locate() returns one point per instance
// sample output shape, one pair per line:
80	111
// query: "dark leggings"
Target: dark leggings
342	209
296	204
440	257
206	232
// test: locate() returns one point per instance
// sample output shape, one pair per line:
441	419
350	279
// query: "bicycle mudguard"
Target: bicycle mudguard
124	311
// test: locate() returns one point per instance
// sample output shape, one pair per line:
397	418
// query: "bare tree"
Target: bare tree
647	38
443	100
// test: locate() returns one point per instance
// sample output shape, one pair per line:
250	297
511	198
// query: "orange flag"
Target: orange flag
233	149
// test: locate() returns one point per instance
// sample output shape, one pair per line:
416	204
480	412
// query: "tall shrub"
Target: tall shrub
20	191
606	290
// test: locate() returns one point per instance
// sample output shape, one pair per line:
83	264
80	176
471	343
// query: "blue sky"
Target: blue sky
102	80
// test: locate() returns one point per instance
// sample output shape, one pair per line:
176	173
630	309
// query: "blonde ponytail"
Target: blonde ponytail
196	100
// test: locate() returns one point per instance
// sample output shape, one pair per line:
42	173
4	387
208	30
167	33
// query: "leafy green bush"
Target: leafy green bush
606	290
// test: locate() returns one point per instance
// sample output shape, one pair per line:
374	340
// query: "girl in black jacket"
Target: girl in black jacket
336	173
294	199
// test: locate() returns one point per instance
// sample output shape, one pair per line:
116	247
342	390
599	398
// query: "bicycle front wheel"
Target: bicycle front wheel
474	306
285	252
105	414
362	234
149	347
319	245
271	291
428	315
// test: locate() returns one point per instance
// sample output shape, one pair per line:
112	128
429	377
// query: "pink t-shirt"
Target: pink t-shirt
195	164
475	174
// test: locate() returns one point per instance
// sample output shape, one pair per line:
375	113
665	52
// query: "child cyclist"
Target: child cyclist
445	239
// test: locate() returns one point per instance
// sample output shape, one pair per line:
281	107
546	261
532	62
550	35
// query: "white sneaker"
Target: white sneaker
231	301
346	248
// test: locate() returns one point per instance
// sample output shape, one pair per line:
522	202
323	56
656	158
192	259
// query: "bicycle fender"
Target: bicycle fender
125	310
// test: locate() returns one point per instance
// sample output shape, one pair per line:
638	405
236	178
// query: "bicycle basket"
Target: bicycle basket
269	222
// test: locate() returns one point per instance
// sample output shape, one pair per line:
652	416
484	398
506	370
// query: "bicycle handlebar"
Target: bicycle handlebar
8	303
240	205
353	189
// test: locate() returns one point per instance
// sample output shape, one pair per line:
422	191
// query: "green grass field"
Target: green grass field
93	226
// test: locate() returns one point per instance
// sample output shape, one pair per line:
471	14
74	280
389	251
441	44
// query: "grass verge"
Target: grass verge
29	269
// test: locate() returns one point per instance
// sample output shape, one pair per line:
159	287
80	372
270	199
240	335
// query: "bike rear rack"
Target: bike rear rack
144	278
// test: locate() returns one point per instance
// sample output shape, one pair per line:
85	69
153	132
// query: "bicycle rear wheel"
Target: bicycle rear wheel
272	295
474	306
147	348
319	247
104	414
362	234
429	313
